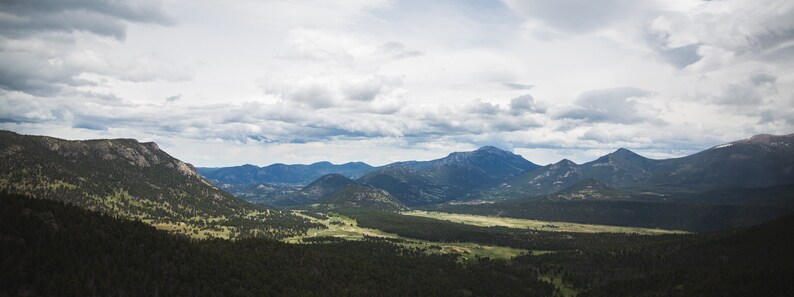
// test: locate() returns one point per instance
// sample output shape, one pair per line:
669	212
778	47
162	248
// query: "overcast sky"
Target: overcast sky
220	83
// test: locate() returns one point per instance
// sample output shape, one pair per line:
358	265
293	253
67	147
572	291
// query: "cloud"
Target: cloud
399	76
750	92
484	108
525	103
19	19
738	27
329	91
45	49
517	86
575	16
618	105
397	50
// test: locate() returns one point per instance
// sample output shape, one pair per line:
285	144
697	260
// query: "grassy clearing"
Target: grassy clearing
347	228
488	221
192	230
557	282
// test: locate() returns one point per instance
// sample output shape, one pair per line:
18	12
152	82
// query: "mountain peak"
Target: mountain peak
623	151
769	138
489	148
565	162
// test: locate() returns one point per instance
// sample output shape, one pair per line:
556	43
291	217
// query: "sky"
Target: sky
224	83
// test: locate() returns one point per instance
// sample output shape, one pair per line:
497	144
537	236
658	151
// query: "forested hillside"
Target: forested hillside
52	249
136	180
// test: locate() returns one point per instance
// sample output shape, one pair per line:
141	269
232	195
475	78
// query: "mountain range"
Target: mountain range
281	174
490	173
124	177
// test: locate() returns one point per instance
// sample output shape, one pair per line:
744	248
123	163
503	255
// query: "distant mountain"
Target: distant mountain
760	161
467	170
130	179
281	174
542	181
409	185
621	168
318	190
440	180
491	161
491	173
361	196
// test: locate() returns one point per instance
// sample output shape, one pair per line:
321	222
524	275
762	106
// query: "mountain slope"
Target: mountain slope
135	180
282	174
407	185
468	170
621	168
760	161
318	190
360	196
542	181
588	189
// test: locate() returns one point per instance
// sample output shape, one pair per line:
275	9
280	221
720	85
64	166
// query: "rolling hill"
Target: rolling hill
356	196
318	190
407	184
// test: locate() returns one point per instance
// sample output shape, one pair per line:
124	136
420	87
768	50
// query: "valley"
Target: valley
489	221
339	226
471	223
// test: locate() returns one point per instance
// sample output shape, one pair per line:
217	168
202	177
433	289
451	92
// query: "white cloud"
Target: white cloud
303	81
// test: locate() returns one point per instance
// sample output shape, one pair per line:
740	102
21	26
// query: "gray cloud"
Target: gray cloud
40	55
484	108
29	73
173	98
750	92
20	18
397	50
576	16
616	105
680	57
525	103
517	86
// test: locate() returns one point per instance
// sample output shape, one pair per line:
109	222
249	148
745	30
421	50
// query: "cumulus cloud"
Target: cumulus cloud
330	91
618	105
525	103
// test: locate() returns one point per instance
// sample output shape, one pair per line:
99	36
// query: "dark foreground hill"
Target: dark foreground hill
127	178
52	249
